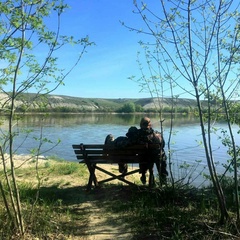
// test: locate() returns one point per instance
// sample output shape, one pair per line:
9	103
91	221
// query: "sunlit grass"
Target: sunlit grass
45	209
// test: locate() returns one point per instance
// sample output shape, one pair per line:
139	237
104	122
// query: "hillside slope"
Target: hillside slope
77	104
113	104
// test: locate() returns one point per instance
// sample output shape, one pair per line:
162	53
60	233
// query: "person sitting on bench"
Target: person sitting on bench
122	142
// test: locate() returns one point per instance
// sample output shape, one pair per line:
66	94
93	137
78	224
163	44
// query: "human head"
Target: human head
145	123
132	132
109	138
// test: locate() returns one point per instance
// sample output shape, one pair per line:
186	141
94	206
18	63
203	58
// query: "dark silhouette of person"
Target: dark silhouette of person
150	136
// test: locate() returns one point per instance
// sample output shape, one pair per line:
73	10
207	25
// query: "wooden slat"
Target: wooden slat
77	146
103	146
78	151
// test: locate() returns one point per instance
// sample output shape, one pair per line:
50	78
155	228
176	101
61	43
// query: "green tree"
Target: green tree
138	108
194	47
128	107
25	33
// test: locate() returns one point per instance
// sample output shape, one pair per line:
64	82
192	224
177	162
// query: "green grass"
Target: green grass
159	213
166	213
52	213
65	168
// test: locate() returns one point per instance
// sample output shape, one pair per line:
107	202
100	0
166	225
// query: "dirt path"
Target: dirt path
104	224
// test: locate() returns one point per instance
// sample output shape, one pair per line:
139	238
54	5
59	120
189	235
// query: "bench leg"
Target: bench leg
92	176
114	176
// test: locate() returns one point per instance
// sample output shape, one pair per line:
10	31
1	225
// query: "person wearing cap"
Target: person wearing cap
150	136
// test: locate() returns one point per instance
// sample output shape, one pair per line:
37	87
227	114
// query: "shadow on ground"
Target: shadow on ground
103	202
138	212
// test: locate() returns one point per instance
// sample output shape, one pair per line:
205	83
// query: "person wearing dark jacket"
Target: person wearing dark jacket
148	135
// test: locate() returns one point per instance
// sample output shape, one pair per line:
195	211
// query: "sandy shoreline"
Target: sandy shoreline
22	160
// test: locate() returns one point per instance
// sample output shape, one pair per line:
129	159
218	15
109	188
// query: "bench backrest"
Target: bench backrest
101	153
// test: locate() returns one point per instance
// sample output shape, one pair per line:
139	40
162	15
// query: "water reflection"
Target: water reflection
94	118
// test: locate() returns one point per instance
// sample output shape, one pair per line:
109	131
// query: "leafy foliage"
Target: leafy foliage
192	49
29	62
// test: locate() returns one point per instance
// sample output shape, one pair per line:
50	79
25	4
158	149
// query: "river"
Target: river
187	154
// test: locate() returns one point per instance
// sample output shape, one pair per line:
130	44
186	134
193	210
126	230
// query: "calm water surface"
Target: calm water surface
93	128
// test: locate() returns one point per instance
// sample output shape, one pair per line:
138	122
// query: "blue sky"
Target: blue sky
104	70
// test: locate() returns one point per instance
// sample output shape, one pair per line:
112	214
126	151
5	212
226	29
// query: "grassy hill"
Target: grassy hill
60	103
78	104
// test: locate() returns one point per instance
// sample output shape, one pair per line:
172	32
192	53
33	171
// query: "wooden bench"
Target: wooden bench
93	154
